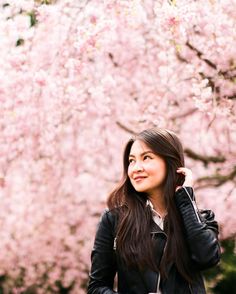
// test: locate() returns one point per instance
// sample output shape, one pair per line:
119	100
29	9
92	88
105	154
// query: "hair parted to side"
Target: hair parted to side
134	242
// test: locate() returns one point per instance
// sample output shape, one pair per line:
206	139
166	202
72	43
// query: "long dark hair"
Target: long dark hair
134	242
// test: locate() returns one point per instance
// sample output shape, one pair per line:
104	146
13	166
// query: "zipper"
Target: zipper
193	204
190	288
114	244
158	284
158	291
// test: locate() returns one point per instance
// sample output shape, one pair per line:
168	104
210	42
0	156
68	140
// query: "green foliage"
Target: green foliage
20	42
33	19
222	279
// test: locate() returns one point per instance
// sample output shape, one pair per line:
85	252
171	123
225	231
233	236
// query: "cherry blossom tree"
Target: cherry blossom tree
78	78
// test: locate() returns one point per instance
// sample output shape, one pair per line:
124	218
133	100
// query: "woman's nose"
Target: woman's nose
138	166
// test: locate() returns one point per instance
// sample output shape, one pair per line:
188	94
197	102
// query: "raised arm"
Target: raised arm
103	268
200	228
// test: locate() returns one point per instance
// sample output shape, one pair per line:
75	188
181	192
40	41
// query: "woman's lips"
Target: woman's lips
139	179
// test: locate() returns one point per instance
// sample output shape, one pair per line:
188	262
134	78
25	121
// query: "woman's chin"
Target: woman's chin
140	189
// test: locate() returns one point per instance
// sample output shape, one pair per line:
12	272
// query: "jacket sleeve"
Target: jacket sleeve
103	268
200	228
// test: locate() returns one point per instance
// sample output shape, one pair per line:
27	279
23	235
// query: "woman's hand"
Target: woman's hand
188	177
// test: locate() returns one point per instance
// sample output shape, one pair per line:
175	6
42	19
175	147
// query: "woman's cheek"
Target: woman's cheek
129	172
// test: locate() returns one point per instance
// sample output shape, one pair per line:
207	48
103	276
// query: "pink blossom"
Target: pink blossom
85	78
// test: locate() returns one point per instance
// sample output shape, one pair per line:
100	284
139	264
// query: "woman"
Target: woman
153	236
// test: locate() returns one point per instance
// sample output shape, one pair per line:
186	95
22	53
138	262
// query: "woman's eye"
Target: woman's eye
146	157
131	160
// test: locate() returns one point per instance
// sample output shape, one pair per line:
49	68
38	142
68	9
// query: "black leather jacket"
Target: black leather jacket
202	239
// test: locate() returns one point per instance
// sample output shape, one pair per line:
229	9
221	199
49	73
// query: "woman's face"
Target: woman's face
147	171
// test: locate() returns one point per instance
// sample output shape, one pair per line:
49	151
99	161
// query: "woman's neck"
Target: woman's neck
158	203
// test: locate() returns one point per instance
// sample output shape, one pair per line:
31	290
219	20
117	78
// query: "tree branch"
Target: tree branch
227	74
125	128
216	180
200	55
204	158
184	114
111	56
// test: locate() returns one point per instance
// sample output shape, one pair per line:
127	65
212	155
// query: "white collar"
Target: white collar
155	213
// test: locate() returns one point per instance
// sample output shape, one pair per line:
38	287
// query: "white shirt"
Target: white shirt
156	216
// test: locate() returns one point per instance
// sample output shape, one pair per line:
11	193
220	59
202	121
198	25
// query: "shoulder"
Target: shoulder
110	217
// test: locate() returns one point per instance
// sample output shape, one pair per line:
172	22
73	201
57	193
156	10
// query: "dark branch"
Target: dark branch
112	59
184	114
200	55
232	97
227	74
125	128
181	58
204	158
210	83
216	180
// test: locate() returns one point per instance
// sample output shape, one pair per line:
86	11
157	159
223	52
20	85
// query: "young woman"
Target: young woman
153	236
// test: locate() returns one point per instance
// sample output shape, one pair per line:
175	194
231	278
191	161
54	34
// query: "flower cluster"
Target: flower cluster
77	78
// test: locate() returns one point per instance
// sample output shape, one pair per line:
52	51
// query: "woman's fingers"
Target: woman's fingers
188	176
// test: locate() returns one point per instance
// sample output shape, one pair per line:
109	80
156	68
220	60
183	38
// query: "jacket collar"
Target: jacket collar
156	229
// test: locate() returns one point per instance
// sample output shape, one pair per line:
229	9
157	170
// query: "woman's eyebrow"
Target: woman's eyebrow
144	153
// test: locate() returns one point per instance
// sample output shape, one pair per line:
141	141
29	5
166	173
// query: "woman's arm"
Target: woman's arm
200	228
103	268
